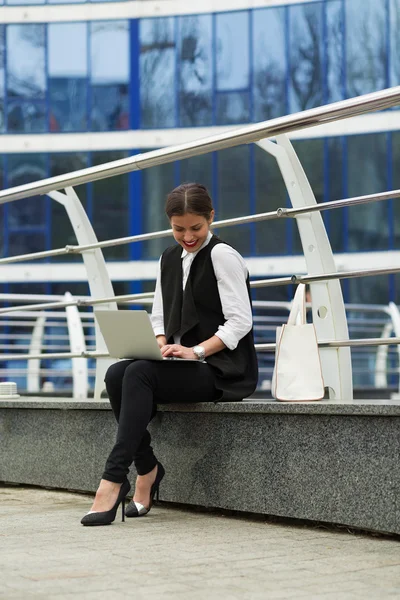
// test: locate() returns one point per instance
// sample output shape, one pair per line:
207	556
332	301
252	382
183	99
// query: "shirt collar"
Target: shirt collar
204	244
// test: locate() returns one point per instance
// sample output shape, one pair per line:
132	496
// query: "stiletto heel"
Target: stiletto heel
135	509
108	516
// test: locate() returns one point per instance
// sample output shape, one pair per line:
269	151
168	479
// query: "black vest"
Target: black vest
197	313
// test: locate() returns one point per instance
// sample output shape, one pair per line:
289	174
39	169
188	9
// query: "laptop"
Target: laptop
129	334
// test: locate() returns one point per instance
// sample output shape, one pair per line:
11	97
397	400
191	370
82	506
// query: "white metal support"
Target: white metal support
35	347
329	315
77	344
395	316
99	281
381	359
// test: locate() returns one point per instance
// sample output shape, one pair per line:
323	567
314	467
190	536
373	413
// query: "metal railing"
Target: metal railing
331	329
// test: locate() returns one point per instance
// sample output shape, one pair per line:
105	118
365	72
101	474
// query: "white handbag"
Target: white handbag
297	374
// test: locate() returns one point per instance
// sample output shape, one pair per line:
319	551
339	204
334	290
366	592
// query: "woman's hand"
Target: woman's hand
161	341
178	351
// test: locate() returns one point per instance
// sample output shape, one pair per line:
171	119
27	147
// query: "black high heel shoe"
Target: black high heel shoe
108	516
135	509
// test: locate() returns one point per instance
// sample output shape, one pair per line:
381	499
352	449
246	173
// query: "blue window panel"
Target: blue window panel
157	66
306	56
366	43
195	70
26	117
367	174
334	52
233	68
368	290
270	194
63	1
198	169
110	217
26	243
269	63
334	184
26	76
109	66
394	42
62	232
25	2
234	194
2	77
157	183
2	211
396	185
68	70
30	212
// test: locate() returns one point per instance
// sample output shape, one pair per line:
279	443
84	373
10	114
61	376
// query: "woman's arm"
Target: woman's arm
157	314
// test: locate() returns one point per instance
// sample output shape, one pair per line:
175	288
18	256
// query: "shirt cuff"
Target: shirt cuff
158	331
229	340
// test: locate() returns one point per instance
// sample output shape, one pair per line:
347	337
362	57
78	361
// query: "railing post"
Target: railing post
97	274
329	315
35	347
395	316
77	344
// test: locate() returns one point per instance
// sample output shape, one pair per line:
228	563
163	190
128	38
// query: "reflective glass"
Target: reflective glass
109	56
26	243
2	211
233	67
335	218
195	70
197	169
366	46
157	72
62	232
270	194
157	183
334	51
24	214
2	76
24	2
28	117
367	173
67	65
110	216
396	185
394	61
269	68
234	195
305	71
26	61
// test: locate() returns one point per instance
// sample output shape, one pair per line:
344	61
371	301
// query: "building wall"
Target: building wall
96	83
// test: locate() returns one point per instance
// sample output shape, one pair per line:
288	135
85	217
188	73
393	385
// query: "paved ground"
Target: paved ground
182	555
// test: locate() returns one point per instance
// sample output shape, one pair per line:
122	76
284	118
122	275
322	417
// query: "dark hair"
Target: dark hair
189	198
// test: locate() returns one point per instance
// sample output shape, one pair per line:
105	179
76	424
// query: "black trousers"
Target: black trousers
135	388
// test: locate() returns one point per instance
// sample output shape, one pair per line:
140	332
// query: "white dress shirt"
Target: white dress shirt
231	274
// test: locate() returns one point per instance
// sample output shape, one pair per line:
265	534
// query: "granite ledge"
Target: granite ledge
385	408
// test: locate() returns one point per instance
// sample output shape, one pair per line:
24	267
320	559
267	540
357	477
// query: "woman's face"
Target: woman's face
190	230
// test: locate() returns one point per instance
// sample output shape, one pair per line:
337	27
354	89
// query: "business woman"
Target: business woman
202	311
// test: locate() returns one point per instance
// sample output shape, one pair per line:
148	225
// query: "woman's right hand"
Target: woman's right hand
161	341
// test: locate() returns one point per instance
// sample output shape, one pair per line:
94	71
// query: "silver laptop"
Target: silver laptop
129	334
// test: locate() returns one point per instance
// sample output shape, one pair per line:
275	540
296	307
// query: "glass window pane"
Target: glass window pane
29	212
197	169
195	70
27	117
233	67
270	195
396	186
366	44
367	173
2	76
26	243
334	51
269	79
109	53
111	206
62	232
305	73
369	290
67	76
234	195
157	183
335	218
157	72
2	210
394	42
26	61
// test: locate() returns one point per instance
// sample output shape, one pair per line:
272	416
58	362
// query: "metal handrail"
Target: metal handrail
244	135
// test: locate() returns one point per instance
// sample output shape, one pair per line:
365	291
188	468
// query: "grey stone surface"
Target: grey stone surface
181	555
339	468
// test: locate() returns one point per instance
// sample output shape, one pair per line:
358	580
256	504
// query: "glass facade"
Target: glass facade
199	71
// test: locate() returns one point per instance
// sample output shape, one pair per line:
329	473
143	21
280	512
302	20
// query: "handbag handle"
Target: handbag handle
298	306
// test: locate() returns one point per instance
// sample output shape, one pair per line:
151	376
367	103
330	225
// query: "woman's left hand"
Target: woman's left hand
178	351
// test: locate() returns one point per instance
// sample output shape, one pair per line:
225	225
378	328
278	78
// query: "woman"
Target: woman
202	312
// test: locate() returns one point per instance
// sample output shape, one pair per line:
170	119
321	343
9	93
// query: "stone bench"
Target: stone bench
323	461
